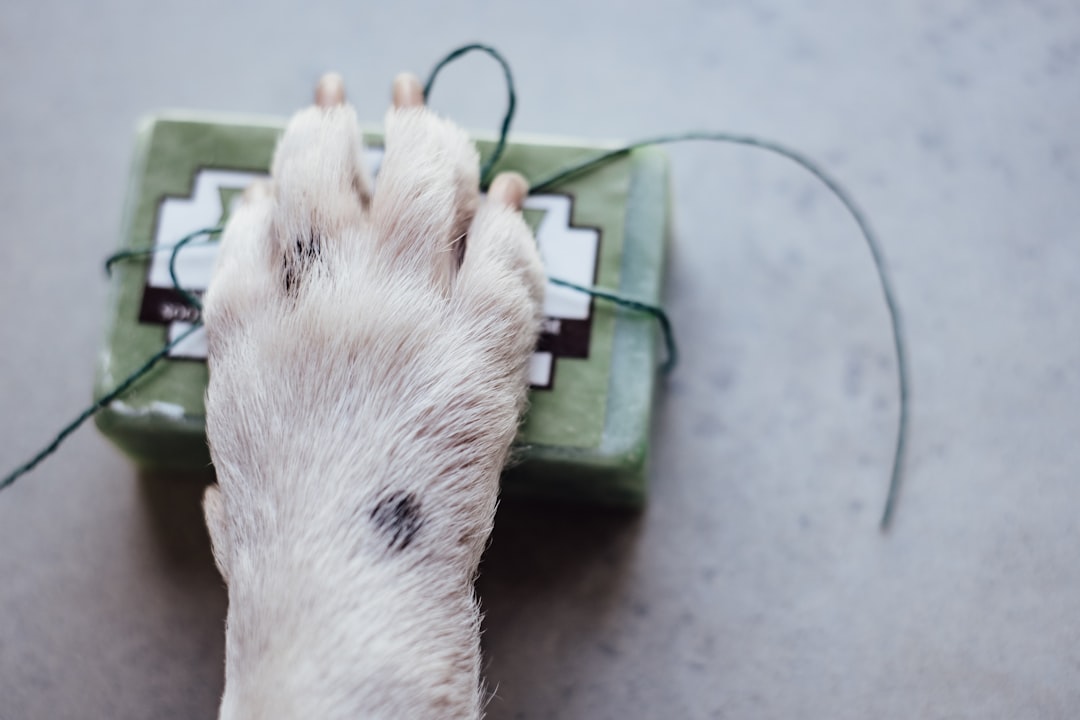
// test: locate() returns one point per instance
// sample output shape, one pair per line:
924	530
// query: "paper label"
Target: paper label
569	253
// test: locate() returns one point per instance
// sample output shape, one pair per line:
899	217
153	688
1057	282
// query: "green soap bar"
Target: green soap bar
586	434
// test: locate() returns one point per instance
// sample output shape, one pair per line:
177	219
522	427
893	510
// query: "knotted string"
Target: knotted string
627	302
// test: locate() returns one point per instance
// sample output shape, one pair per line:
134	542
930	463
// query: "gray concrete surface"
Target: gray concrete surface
755	585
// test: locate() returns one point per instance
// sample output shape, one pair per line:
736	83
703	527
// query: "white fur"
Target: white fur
367	377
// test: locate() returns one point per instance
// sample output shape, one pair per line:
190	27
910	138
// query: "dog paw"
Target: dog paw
369	341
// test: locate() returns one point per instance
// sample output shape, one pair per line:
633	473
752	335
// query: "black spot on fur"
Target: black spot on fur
397	516
299	259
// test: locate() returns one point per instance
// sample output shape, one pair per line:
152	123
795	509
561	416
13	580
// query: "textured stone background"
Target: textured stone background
756	584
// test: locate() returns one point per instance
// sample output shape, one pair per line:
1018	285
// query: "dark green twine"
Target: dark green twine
511	99
600	293
100	403
139	372
864	227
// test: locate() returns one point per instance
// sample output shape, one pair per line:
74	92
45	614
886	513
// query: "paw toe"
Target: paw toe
428	193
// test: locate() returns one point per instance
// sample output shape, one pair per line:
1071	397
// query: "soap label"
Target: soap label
569	252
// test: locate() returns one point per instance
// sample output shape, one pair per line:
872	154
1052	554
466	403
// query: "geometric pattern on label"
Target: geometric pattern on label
569	253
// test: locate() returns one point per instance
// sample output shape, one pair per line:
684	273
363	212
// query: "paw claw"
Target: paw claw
407	91
330	91
509	188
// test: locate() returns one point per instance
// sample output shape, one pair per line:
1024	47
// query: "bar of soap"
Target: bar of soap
586	434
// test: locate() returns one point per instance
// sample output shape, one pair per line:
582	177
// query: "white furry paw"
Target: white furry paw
367	355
